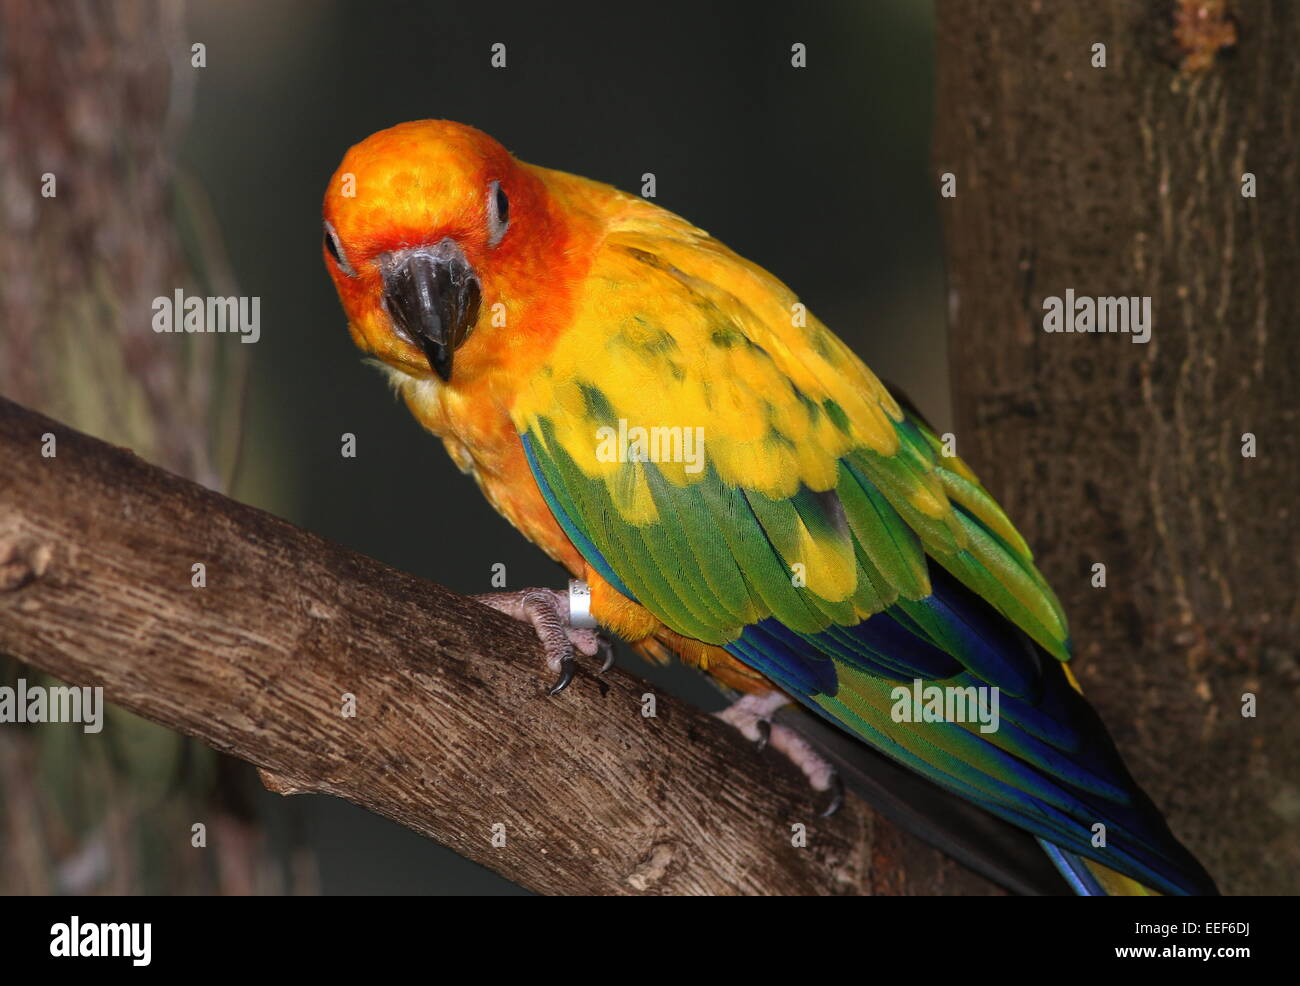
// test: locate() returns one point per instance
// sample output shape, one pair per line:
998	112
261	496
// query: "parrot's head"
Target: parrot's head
426	225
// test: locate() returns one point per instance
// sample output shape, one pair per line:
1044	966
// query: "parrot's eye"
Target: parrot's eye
335	250
498	213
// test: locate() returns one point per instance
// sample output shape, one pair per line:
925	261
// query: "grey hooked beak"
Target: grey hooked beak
432	295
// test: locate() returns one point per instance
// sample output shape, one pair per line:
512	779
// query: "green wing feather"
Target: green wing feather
824	537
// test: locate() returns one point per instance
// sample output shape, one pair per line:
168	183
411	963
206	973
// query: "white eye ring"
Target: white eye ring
498	211
334	247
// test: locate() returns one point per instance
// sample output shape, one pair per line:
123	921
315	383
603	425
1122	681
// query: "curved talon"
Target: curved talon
608	648
567	667
837	797
764	728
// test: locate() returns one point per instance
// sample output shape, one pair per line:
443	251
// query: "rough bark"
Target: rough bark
1127	180
453	732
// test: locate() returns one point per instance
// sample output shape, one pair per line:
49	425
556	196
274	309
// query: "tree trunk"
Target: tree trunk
91	213
1127	180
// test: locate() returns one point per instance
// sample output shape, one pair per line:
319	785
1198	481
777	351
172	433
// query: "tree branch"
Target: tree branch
453	733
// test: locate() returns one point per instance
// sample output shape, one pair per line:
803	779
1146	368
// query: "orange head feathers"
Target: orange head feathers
429	227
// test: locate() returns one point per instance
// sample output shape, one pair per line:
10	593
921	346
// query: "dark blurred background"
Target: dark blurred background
820	174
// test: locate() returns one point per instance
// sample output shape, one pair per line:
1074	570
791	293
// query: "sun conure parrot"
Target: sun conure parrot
794	531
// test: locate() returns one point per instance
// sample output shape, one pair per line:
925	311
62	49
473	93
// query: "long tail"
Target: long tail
991	847
1088	878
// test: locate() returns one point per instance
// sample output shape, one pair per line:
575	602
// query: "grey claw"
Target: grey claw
764	735
608	648
567	666
837	797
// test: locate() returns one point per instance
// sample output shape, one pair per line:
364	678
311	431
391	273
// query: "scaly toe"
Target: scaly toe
751	716
548	613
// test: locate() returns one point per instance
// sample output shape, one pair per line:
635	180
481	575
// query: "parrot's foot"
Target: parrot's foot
751	716
548	612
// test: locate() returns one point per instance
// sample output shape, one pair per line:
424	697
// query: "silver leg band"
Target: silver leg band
580	605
